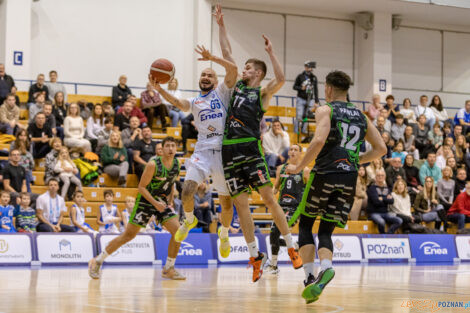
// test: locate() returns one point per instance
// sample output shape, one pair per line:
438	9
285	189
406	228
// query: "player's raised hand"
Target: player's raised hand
204	53
219	16
292	169
267	44
154	83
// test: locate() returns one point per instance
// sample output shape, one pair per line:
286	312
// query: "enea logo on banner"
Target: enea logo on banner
15	249
432	248
195	249
386	248
463	247
239	250
64	248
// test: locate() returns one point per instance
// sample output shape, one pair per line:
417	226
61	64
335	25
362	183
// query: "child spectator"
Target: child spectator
6	213
409	142
435	137
126	213
398	152
77	214
108	214
103	135
398	128
26	219
67	171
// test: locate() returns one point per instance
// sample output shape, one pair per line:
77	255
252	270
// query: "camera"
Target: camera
311	64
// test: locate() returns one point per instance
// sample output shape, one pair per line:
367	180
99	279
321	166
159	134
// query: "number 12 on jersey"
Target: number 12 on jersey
349	131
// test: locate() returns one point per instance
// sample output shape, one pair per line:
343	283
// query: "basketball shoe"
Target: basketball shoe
295	258
94	269
184	229
258	265
171	273
314	287
224	247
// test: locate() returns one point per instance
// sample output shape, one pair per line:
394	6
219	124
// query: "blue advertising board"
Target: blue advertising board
195	249
433	248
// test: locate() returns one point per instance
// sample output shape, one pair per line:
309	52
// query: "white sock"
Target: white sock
308	269
274	260
223	231
103	255
288	239
253	249
189	216
325	264
170	262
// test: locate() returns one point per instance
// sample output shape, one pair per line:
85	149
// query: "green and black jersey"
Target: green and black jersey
163	179
244	115
340	154
291	189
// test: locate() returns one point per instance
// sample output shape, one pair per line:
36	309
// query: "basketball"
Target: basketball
162	71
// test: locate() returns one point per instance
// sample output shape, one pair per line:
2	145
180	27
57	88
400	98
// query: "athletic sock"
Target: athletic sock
189	216
170	262
274	260
308	269
223	231
325	264
253	249
103	255
288	239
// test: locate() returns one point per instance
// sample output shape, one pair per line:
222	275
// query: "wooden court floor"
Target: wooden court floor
356	288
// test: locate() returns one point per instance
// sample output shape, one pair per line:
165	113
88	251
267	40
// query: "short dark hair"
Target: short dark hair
338	80
10	95
14	149
258	65
108	192
53	72
390	97
76	193
24	194
168	139
146	126
423	96
52	179
4	192
48	103
108	120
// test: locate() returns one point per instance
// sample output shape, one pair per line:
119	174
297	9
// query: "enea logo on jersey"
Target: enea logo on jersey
432	248
208	114
188	249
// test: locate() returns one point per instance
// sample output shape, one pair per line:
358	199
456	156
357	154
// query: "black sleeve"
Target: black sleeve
115	95
31	94
49	131
117	121
6	173
298	83
47	91
315	89
137	146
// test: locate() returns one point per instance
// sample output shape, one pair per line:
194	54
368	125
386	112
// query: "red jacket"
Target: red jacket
461	204
136	112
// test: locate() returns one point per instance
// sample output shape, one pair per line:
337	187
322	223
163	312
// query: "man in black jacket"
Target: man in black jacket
120	92
38	87
6	82
306	85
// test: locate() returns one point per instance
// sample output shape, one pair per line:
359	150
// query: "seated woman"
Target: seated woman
74	129
94	125
372	168
114	158
402	205
426	204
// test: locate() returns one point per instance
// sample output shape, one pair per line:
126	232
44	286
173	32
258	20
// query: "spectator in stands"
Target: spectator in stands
26	219
445	188
463	117
459	212
7	213
54	87
129	138
126	213
159	149
74	129
40	133
421	137
108	214
448	141
412	176
77	214
94	125
120	92
36	107
409	141
423	109
375	107
435	137
402	205
37	88
380	123
392	108
143	150
390	143
176	114
460	148
276	143
122	119
440	113
6	83
453	165
372	168
360	197
460	182
408	113
441	160
60	109
135	110
50	119
426	204
13	92
10	116
23	145
398	152
379	198
447	129
204	206
114	158
188	131
85	111
103	135
51	160
108	110
306	84
457	132
152	106
398	128
395	171
50	210
429	168
67	171
14	175
387	125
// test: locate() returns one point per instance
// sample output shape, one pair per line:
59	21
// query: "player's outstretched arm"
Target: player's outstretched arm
379	148
322	116
278	81
223	37
181	104
144	181
230	67
277	182
306	174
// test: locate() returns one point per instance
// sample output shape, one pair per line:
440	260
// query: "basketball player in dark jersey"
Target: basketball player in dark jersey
156	189
329	194
291	188
242	156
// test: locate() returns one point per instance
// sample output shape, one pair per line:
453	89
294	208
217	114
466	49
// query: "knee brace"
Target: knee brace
324	235
305	231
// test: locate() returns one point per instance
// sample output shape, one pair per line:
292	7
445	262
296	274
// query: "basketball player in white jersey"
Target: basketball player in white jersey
210	111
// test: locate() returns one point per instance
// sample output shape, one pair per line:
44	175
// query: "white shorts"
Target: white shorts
205	164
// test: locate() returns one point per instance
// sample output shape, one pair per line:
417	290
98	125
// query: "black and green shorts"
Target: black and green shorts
244	167
143	211
329	196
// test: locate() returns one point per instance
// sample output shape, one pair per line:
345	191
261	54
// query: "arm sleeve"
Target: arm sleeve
115	95
298	83
422	174
373	196
106	157
89	129
66	127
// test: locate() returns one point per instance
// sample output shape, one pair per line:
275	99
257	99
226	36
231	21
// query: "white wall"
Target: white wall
3	5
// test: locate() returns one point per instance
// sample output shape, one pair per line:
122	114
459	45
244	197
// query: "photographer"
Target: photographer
306	85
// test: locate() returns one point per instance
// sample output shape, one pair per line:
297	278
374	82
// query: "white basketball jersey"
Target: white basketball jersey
111	227
79	215
210	113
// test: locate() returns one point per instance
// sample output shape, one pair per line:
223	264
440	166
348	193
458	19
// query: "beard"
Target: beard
206	89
